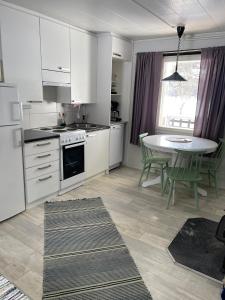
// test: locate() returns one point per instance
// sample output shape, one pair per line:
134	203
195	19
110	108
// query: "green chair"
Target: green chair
211	164
186	168
148	158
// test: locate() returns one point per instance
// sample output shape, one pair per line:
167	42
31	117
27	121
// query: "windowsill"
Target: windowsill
166	130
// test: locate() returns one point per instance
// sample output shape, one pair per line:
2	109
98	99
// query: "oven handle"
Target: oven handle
74	145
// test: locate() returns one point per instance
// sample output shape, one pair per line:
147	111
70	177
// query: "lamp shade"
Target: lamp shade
174	77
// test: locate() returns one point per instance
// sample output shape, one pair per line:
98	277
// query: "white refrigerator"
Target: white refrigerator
12	198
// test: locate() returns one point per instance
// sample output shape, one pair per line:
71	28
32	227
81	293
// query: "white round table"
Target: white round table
168	144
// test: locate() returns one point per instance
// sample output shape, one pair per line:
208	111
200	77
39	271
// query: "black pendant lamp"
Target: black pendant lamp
176	76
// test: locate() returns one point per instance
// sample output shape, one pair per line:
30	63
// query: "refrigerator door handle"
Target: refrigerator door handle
16	111
17	137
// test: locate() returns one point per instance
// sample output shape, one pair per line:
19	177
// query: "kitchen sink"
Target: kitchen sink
84	126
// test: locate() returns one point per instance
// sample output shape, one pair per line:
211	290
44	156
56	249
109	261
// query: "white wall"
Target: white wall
132	152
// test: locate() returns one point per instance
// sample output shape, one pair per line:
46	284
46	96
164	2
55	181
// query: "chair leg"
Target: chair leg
162	179
170	194
216	184
195	186
165	186
147	175
209	178
142	173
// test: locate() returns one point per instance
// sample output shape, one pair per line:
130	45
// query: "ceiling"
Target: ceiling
135	19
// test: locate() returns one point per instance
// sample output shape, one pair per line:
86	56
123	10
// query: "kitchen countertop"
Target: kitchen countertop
118	122
88	127
32	135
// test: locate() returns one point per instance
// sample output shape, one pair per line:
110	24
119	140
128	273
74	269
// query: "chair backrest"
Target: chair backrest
188	162
219	154
144	150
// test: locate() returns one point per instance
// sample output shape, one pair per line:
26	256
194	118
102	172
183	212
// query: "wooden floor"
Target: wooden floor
145	224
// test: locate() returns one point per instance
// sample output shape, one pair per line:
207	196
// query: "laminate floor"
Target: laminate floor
146	226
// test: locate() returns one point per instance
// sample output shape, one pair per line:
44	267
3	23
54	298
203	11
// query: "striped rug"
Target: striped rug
85	257
8	291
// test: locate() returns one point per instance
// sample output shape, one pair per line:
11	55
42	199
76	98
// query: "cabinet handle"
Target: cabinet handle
63	69
42	156
117	54
43	144
91	135
45	167
45	178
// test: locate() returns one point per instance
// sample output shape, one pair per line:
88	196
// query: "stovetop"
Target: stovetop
68	134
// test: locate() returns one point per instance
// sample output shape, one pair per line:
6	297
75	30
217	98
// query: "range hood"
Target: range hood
55	78
56	84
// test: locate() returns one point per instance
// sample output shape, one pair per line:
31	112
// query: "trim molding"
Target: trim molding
187	37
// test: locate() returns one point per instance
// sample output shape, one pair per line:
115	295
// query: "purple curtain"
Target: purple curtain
210	112
146	93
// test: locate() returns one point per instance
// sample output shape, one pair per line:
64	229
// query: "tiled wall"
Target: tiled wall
46	114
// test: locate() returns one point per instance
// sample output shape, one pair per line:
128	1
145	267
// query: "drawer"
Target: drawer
42	186
41	146
41	158
42	169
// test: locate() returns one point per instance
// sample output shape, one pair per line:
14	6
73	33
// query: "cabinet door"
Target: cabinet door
116	144
55	46
121	49
83	67
20	42
97	153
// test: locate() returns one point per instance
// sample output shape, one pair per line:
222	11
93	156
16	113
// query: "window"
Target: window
177	103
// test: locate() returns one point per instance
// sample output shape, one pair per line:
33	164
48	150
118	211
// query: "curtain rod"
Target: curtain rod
182	52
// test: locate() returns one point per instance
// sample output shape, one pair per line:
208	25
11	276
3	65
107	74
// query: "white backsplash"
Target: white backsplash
46	114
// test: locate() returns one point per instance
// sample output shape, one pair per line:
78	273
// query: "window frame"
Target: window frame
168	130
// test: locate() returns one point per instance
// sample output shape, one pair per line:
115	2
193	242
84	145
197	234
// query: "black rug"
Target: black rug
196	248
85	257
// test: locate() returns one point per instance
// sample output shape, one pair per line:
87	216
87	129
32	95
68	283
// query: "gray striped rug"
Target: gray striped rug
85	257
8	291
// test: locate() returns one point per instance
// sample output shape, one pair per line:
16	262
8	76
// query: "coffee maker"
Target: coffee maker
115	113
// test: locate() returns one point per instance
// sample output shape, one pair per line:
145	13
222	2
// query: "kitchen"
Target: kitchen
97	138
65	85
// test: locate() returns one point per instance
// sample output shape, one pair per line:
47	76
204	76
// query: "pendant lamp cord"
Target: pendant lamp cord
178	53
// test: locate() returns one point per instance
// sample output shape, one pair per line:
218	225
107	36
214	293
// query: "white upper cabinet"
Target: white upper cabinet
20	43
55	46
83	67
121	49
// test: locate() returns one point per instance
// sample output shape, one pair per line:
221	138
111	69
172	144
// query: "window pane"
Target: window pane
178	99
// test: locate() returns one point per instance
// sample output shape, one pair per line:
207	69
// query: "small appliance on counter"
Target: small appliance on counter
115	113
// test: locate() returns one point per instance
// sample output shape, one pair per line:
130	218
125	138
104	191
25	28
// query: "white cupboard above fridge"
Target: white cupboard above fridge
83	67
21	57
121	49
55	51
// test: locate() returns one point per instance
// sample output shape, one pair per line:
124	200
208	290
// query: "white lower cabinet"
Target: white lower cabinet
97	152
41	169
116	145
42	186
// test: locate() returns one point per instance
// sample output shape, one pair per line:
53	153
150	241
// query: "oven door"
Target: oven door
72	160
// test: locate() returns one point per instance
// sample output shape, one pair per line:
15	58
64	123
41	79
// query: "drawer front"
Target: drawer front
41	158
42	186
42	169
41	146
